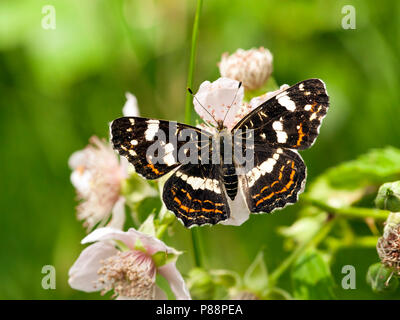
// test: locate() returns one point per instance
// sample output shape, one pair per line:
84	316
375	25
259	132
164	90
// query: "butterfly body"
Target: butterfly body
256	160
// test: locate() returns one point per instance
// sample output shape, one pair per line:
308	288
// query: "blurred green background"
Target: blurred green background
59	87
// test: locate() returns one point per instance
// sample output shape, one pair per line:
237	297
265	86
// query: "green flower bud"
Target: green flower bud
388	197
381	278
201	284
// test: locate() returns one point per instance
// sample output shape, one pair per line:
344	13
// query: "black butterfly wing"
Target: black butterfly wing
276	179
153	146
196	195
291	119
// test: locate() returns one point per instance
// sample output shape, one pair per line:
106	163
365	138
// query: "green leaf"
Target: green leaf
311	277
303	228
256	276
135	189
373	168
148	227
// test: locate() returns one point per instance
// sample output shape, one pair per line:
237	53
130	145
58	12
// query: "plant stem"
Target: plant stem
188	118
189	83
348	212
312	242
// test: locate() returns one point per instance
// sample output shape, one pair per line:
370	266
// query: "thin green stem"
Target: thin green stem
189	83
196	247
348	212
188	118
312	242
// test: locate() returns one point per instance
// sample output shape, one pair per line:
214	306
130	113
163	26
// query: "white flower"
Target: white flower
223	100
131	273
97	176
223	95
216	99
252	67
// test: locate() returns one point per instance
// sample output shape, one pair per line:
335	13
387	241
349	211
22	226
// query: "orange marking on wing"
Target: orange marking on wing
285	188
154	169
301	136
187	209
312	107
273	183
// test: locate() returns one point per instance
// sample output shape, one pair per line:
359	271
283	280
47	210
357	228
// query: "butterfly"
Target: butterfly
202	192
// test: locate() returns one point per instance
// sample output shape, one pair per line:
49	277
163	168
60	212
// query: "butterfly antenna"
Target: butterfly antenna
194	96
230	107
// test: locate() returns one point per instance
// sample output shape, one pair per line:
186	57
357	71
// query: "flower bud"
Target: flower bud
380	278
388	197
388	245
201	284
252	67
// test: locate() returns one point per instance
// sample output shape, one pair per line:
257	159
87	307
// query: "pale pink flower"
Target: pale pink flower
252	67
97	176
223	95
218	98
131	272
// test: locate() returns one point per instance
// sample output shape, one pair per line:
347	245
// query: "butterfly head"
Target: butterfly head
220	125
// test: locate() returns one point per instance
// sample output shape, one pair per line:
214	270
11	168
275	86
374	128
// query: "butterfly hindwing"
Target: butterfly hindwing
292	118
196	195
152	146
276	179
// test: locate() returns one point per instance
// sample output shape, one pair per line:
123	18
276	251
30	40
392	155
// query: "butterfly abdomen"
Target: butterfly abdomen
228	173
230	180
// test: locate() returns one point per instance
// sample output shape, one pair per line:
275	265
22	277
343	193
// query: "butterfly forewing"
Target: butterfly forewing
153	146
291	119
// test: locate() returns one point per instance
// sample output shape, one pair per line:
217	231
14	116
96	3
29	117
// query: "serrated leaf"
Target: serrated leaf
311	277
373	168
256	276
303	229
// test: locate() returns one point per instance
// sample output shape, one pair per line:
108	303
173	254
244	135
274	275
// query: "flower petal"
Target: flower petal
118	215
80	179
217	98
130	108
253	67
239	211
151	243
175	280
83	274
77	159
107	233
255	102
160	294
